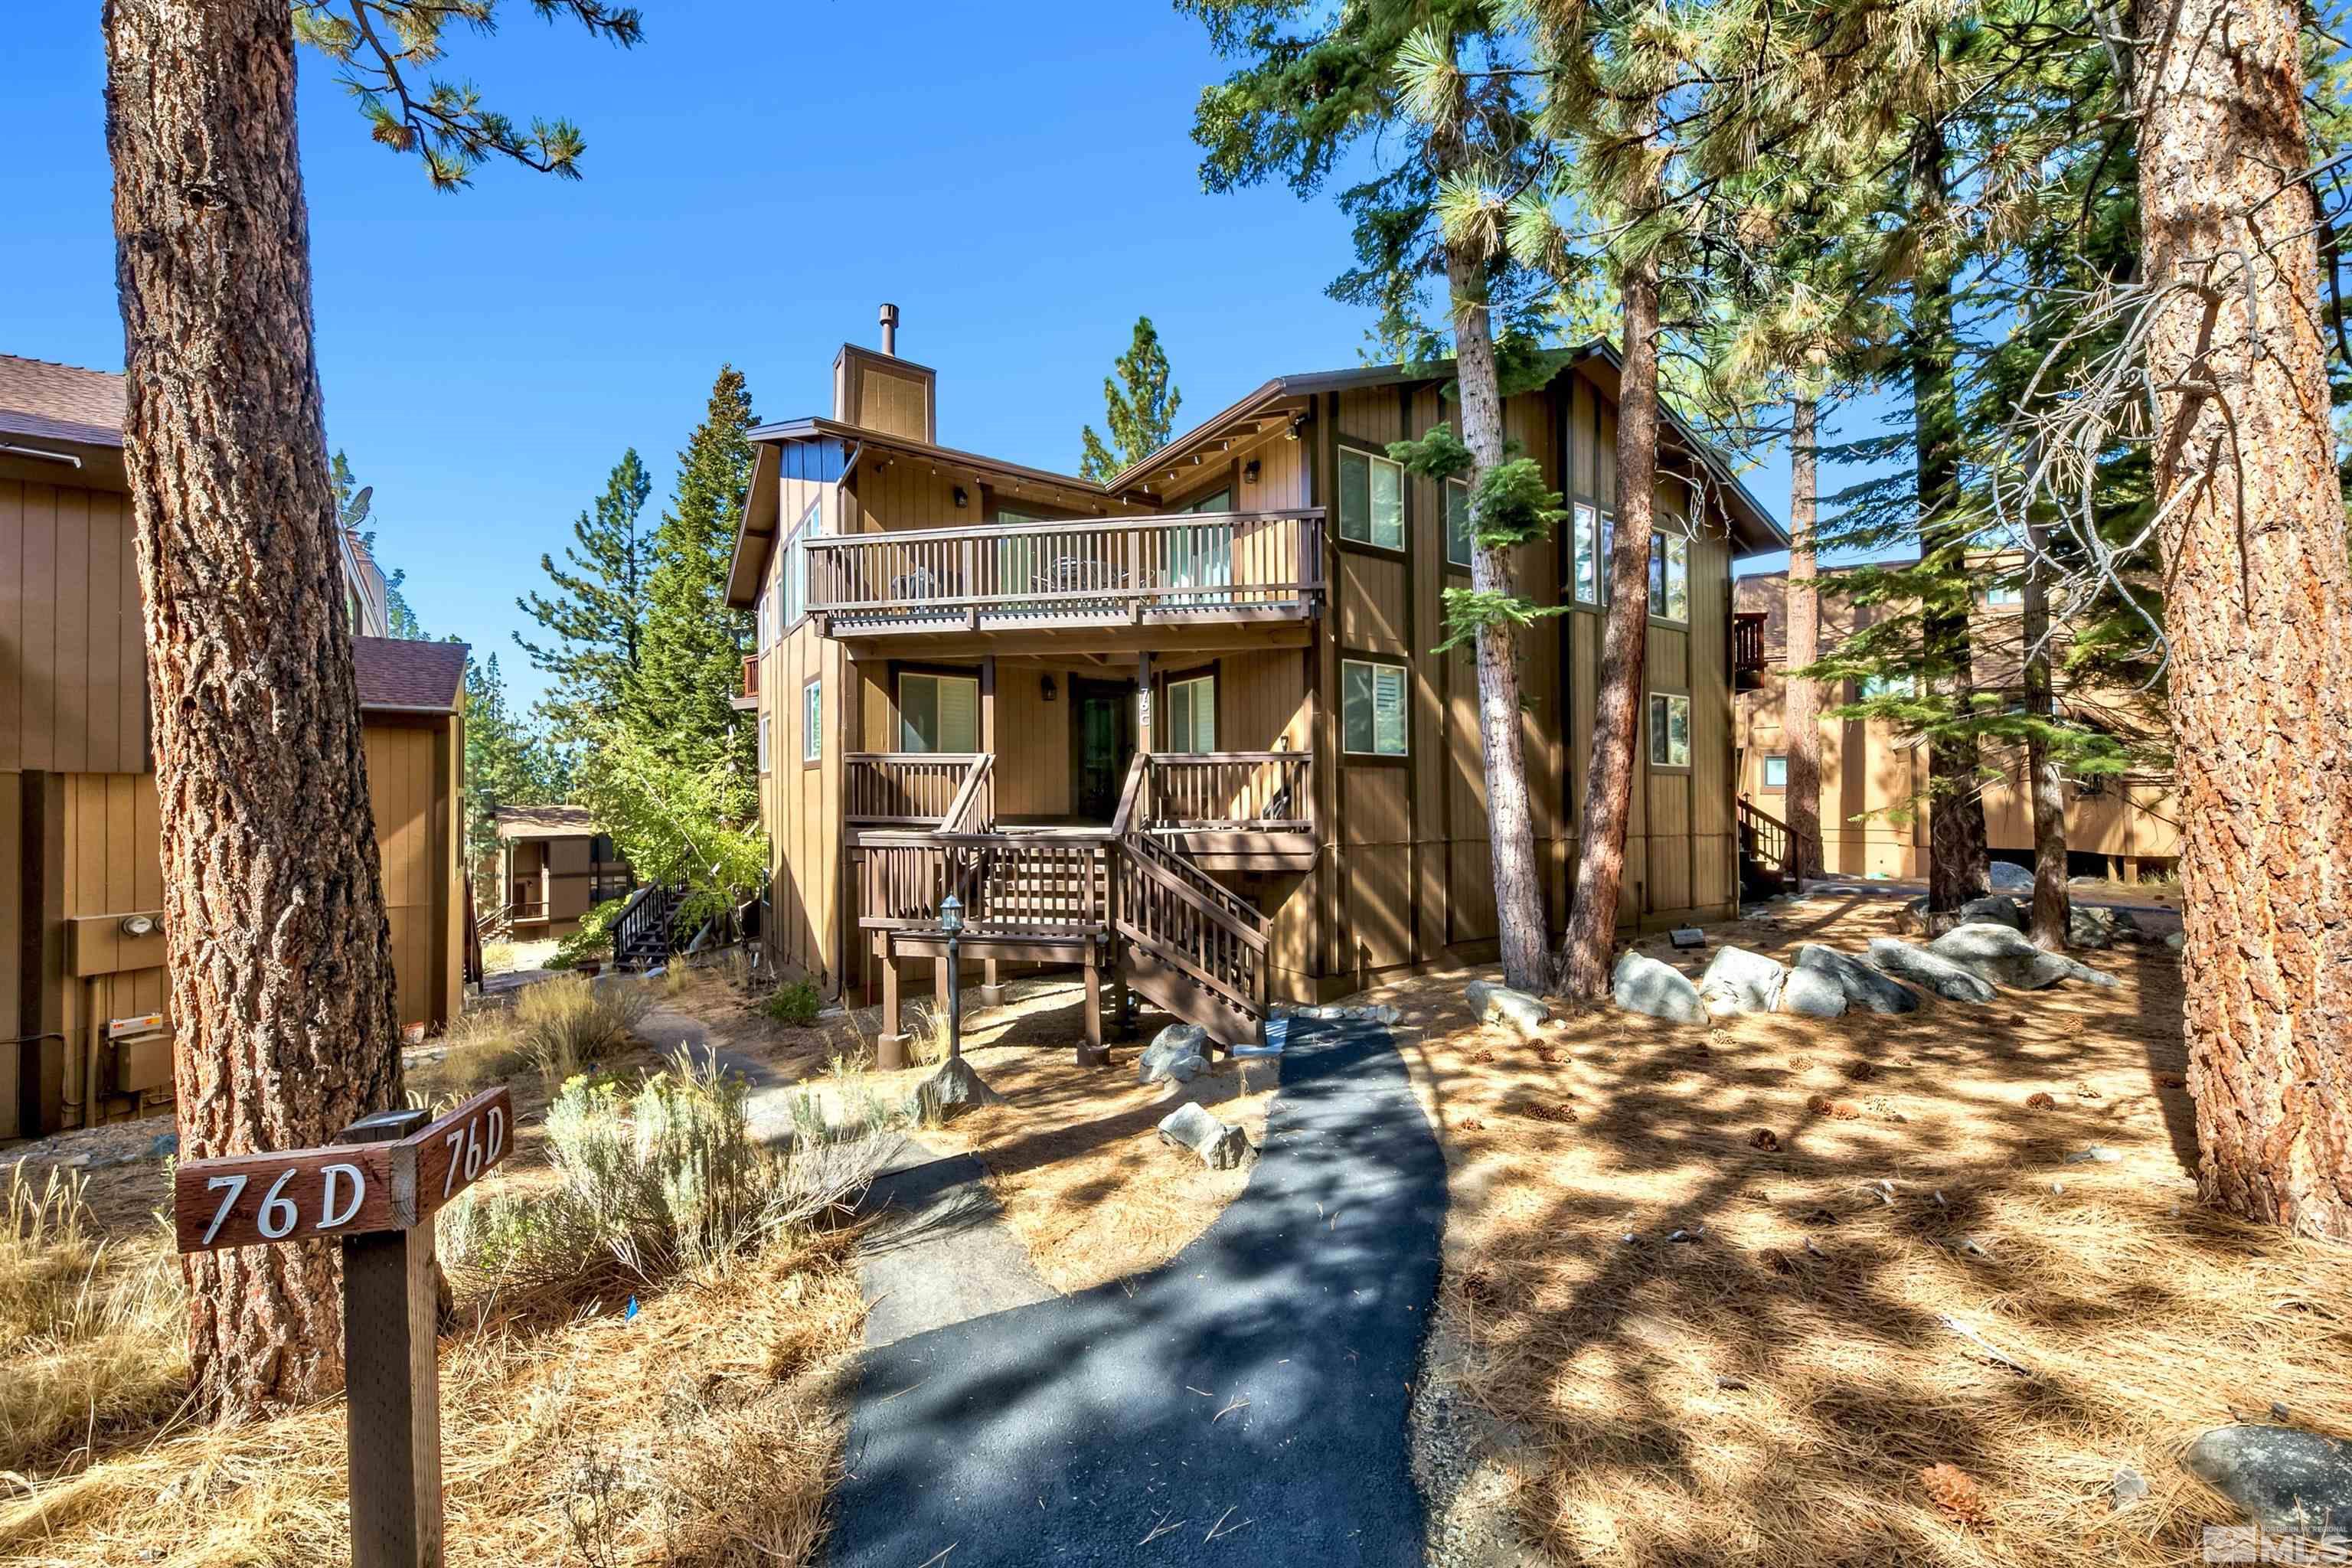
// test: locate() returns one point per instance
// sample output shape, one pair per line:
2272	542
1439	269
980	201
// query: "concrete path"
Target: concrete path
1247	1403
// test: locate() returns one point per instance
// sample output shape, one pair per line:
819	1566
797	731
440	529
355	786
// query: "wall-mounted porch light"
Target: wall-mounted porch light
1250	472
963	499
1045	687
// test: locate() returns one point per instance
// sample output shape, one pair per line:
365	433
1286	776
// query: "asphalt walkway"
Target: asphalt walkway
1246	1403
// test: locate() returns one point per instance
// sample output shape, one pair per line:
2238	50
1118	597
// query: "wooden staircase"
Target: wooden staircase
1763	854
642	937
1191	945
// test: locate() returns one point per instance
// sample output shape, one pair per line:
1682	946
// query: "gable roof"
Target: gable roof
46	400
1755	530
400	676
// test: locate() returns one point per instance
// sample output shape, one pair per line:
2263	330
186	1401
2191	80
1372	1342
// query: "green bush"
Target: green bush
663	1177
795	1003
593	940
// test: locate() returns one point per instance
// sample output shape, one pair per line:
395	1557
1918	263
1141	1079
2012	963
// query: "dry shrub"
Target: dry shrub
566	1024
479	1049
927	1035
94	1331
662	1177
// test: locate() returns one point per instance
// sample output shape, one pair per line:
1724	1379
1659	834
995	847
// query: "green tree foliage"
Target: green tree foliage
384	52
595	622
1140	405
692	655
675	821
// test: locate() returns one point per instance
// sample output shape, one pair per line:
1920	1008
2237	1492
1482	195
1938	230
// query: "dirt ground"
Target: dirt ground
1707	1288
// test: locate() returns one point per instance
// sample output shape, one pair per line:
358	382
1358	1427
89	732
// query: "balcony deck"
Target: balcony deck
1194	580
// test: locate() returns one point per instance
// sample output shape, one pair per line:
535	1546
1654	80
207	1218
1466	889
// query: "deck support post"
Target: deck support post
1125	1002
1143	714
991	984
890	1046
1091	1053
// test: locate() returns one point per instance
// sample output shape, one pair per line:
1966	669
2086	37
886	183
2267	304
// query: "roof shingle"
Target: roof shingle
60	402
395	672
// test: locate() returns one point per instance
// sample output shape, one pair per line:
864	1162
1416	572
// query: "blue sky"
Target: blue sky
759	178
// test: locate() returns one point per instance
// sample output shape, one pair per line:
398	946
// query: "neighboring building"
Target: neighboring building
553	867
1185	729
83	999
1874	780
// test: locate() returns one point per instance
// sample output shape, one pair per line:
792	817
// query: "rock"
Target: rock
1998	909
1641	984
1501	1004
1862	986
1739	981
1814	993
1220	1146
2008	876
2287	1480
2006	958
1686	938
2129	1487
2096	1155
1174	1055
1344	1012
2175	940
2096	926
1940	977
165	1147
657	972
948	1093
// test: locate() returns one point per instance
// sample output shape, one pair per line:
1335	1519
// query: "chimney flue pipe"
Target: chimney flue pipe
890	331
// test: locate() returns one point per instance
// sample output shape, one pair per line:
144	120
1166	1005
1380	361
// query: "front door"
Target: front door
1102	743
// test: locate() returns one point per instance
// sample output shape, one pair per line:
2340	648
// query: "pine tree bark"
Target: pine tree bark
2052	906
2261	669
281	987
1956	822
1510	823
1624	647
1801	729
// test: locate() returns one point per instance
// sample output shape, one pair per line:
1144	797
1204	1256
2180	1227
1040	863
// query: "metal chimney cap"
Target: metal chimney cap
890	330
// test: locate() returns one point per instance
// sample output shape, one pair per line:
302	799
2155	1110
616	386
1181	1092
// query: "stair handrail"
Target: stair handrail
1763	835
973	805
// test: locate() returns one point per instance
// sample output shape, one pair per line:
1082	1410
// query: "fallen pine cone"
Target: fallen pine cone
1470	1124
1779	1262
1552	1058
1543	1112
1843	1110
1956	1492
1482	1058
1764	1138
2039	1102
1861	1072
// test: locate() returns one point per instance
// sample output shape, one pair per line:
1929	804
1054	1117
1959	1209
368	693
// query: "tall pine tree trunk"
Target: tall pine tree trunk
1801	729
2262	668
1956	822
1624	646
1510	826
281	985
2051	904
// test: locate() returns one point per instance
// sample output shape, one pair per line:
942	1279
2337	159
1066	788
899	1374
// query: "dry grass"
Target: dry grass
1786	1384
94	1328
560	1026
703	1431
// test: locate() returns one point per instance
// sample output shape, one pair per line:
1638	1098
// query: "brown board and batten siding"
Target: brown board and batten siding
73	674
800	804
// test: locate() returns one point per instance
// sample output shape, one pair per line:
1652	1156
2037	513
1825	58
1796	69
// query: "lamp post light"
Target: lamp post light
951	925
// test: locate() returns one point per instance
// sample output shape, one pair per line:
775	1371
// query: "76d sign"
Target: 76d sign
244	1200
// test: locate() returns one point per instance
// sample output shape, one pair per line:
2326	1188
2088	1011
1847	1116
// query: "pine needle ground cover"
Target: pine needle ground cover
672	1395
1746	1294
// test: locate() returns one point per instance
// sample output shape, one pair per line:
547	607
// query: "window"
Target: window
1372	709
1371	500
1669	731
1191	715
1587	545
1776	772
2004	596
1220	501
600	846
763	743
812	719
939	713
1459	541
1670	576
795	573
1873	686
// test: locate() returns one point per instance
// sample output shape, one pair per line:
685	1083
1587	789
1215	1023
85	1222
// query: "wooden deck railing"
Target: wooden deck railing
1748	643
1199	565
1232	791
1007	883
903	788
1763	838
751	676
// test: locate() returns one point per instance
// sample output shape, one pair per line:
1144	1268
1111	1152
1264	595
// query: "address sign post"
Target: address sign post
375	1189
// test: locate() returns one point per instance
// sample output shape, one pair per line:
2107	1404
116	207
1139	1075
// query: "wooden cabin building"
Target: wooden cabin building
1187	728
552	866
85	1026
1873	791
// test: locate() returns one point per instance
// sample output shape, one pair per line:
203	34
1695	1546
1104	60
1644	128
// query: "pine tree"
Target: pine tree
508	759
598	614
1140	417
281	987
1312	85
690	661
